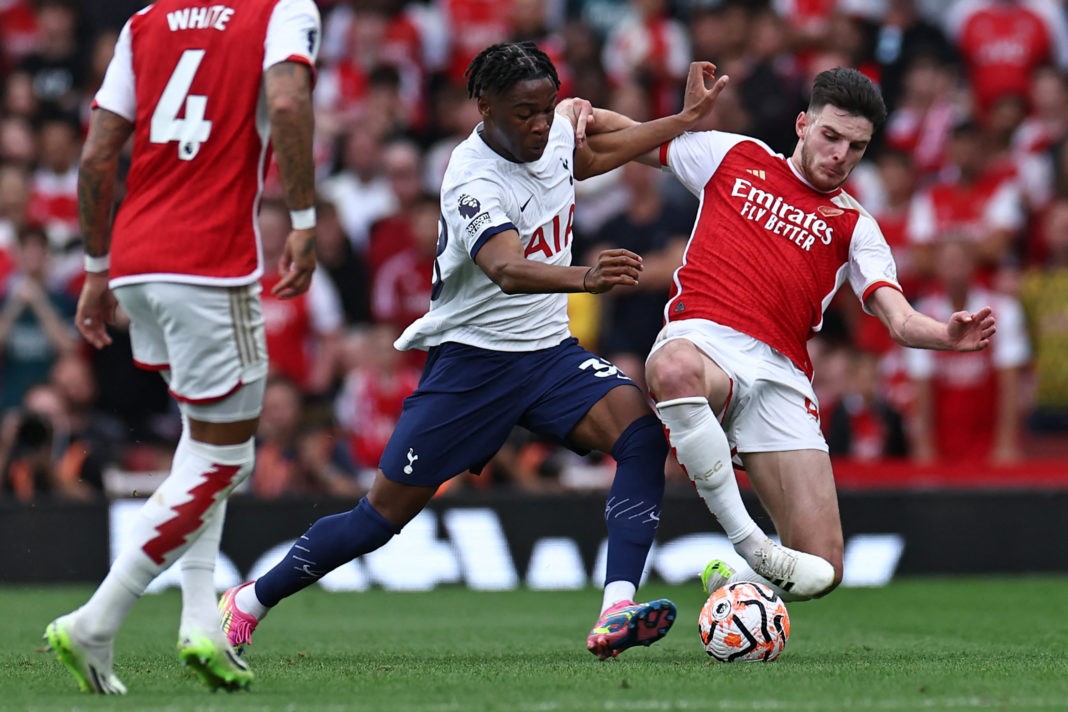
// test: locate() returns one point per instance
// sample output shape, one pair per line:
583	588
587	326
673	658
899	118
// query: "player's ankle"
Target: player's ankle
748	546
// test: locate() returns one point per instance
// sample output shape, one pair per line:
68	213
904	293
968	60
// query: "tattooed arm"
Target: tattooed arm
288	90
97	174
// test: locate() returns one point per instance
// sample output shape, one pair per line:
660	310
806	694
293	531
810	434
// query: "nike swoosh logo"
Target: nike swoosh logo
524	205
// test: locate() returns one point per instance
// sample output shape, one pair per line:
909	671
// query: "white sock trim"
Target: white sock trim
617	591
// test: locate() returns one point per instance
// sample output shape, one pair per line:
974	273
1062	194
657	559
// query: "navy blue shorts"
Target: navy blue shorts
469	399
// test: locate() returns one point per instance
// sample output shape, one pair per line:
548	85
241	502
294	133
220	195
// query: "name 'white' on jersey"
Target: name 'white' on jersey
482	195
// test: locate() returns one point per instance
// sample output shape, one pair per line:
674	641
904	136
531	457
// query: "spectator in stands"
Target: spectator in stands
292	457
377	380
44	457
99	433
361	190
18	32
970	200
55	67
373	44
968	404
768	82
346	269
657	230
303	332
14	202
903	33
35	320
456	117
921	122
1046	125
18	144
54	192
19	99
1044	293
1003	41
400	287
392	233
862	424
652	47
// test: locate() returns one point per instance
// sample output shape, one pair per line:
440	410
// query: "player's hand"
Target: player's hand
614	268
96	309
580	113
971	332
702	88
296	264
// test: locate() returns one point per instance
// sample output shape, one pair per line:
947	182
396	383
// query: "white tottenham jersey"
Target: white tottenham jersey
482	195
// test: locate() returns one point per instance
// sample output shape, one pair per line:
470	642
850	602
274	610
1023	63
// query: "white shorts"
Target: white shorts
771	406
207	342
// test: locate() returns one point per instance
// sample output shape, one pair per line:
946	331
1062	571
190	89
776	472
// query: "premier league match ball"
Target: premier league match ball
744	622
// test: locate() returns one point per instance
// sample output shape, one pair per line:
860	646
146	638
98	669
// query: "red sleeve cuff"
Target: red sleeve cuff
875	285
663	153
301	59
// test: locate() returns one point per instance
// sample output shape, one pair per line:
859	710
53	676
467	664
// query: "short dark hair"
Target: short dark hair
499	67
849	90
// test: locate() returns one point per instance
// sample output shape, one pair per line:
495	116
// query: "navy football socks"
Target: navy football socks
632	512
329	543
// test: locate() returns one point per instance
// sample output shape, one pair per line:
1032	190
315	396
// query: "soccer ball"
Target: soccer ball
744	622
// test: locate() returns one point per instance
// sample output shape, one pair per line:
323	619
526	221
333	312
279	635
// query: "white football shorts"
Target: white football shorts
208	343
772	407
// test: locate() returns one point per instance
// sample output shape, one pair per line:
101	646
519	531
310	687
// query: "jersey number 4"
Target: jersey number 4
191	130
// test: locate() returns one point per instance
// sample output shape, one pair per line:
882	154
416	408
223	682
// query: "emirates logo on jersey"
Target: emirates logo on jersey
781	218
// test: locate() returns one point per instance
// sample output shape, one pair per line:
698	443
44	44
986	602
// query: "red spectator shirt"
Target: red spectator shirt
180	74
1002	42
964	385
768	251
291	326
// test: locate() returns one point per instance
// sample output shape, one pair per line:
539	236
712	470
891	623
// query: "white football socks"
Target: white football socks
200	610
704	453
201	477
617	591
247	602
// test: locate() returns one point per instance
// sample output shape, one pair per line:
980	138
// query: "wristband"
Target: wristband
97	264
302	219
584	287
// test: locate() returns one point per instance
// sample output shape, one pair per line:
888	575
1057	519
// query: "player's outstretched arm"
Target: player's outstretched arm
501	258
97	172
288	90
963	331
608	148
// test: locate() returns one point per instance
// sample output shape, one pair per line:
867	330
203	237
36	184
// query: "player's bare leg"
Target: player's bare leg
622	424
691	388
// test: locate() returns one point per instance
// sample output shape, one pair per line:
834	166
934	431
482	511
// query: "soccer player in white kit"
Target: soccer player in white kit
206	91
500	351
775	237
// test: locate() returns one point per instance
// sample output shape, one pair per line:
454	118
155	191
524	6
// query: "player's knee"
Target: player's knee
674	371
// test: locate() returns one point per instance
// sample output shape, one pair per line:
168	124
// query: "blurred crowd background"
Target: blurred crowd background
968	179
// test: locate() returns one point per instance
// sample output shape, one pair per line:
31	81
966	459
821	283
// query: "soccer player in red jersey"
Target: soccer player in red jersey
206	91
774	239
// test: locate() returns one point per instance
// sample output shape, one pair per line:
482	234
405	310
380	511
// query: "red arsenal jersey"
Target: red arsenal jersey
188	74
768	251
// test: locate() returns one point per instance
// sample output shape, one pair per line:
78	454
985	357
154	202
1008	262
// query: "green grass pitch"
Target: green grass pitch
918	644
